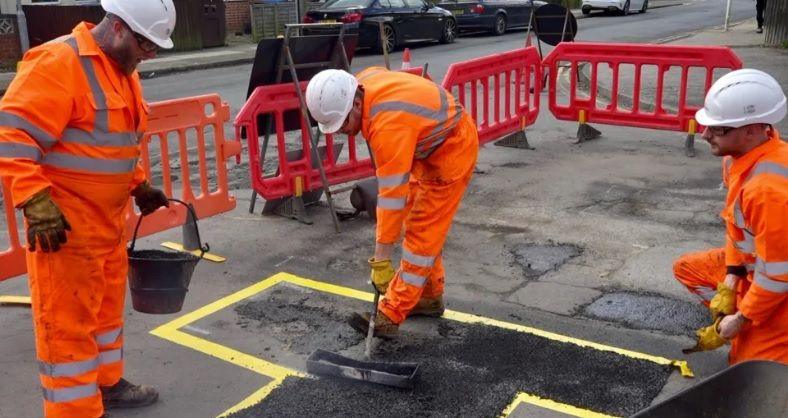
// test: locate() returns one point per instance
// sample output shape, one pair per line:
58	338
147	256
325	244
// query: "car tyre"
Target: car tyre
645	7
625	10
586	10
449	32
391	39
500	25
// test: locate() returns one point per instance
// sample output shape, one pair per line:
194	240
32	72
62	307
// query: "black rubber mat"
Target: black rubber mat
476	371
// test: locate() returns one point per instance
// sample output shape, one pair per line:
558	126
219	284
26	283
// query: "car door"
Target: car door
428	20
404	20
518	11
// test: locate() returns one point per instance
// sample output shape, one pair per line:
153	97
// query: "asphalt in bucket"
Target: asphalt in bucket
469	370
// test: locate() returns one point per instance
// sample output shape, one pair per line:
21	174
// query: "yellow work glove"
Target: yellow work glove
708	338
723	303
382	273
45	223
149	199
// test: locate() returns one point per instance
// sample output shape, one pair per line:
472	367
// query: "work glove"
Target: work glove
45	223
382	274
148	198
723	303
708	338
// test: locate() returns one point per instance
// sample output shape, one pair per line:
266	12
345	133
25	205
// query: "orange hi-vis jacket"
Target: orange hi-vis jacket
70	122
756	215
408	122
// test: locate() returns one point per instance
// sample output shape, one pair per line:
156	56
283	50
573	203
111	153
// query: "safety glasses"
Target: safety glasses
142	42
719	130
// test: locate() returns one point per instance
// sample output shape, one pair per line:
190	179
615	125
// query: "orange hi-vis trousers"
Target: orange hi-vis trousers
700	272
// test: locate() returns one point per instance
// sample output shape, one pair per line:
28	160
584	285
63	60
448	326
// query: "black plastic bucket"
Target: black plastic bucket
160	279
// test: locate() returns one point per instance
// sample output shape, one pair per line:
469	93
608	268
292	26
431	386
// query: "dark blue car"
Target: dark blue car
403	21
495	16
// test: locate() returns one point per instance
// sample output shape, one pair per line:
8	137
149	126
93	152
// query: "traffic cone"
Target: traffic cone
406	59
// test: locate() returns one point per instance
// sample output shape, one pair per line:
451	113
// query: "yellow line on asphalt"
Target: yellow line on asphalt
171	332
523	397
208	256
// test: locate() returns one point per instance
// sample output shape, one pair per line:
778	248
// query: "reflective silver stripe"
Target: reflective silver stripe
706	293
413	279
397	106
70	369
426	147
108	337
17	150
93	165
10	120
738	216
771	285
105	139
418	260
744	246
393	181
102	116
70	394
750	267
112	356
775	268
768	167
391	203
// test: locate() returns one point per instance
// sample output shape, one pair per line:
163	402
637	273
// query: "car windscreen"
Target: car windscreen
346	4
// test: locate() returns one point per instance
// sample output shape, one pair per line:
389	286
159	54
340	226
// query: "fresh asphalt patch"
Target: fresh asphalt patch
649	311
466	369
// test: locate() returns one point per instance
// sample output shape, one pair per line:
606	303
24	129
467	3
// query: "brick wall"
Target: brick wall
237	14
10	51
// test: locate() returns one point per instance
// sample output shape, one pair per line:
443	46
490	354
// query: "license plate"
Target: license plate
328	21
457	12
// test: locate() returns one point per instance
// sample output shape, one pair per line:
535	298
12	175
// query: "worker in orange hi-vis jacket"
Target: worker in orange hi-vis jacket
424	147
70	125
745	284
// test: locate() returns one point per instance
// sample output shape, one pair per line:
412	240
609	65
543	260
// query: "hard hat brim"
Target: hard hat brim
330	128
703	118
165	44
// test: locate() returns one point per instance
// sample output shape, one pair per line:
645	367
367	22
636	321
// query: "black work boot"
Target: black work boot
433	308
384	328
126	395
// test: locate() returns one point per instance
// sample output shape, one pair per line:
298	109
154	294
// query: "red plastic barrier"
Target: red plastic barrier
189	123
274	101
660	57
510	102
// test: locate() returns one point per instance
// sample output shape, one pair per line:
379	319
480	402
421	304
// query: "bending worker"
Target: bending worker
424	147
745	284
70	123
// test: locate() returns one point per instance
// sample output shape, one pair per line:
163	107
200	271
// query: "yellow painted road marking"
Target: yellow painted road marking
15	300
523	397
208	256
171	332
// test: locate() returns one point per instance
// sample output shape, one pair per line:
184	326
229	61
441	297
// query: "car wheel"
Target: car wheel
587	11
390	38
449	32
645	6
625	10
500	25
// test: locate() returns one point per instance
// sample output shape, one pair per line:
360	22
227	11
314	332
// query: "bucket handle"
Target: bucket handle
203	248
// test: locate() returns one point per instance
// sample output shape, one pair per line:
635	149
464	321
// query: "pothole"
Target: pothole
649	311
537	259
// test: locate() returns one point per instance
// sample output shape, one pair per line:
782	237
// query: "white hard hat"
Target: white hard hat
329	97
743	97
153	19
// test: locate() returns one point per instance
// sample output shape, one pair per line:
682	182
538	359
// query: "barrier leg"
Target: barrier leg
252	201
191	241
516	140
689	144
293	207
585	132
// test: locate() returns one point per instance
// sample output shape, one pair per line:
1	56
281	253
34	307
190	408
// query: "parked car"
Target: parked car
403	21
495	16
616	6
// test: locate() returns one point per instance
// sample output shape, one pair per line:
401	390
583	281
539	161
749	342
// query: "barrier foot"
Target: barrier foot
252	201
294	208
586	132
15	300
516	140
189	231
208	256
689	146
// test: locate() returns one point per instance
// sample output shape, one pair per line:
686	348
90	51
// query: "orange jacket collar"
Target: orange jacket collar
85	42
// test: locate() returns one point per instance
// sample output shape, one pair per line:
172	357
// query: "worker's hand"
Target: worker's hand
708	339
148	198
723	303
731	325
45	223
382	274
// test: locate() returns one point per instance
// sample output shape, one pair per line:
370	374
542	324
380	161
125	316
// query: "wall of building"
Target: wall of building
10	51
238	17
